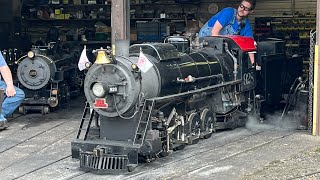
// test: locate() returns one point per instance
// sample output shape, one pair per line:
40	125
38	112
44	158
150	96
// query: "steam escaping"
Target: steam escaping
293	120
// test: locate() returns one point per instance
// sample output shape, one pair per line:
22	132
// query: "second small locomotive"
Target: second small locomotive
49	77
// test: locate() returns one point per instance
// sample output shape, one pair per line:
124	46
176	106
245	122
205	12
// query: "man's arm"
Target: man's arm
221	19
251	56
7	77
216	29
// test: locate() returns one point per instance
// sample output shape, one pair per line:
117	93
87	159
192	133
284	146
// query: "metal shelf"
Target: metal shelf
67	5
43	20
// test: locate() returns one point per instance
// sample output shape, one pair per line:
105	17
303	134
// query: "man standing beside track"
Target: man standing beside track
230	21
13	96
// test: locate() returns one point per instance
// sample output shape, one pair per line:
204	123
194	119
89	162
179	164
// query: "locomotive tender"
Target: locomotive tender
180	99
49	76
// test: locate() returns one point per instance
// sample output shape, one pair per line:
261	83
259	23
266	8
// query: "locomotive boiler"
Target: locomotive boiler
158	100
49	77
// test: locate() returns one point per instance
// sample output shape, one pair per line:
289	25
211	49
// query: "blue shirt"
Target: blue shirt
2	61
226	17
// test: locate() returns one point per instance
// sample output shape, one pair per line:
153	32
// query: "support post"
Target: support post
120	23
316	97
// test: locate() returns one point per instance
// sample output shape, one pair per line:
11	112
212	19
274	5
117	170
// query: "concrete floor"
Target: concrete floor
37	146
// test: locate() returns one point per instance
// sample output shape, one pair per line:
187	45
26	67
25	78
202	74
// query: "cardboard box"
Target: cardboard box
133	36
104	29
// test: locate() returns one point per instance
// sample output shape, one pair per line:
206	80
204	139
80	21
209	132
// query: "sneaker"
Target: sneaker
3	124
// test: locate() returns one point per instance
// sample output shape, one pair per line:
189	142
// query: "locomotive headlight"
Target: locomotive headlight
98	90
31	54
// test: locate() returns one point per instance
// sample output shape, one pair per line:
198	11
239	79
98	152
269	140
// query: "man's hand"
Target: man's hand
10	91
258	68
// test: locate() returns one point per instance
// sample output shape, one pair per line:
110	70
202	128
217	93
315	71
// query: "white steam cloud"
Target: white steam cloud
295	119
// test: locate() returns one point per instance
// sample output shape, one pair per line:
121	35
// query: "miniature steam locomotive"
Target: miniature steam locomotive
49	77
156	99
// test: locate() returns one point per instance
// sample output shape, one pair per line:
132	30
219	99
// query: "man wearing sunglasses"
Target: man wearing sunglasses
230	21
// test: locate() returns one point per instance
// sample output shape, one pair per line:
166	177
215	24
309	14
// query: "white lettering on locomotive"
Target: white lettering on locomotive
248	78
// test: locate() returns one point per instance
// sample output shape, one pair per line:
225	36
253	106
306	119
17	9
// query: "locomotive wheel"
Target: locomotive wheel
207	121
193	128
22	110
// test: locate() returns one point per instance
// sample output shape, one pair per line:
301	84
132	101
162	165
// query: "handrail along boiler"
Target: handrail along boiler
179	100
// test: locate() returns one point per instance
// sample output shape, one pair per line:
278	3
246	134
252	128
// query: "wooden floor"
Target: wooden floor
37	146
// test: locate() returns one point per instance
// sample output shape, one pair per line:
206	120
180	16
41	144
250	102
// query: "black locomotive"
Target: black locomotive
49	76
143	111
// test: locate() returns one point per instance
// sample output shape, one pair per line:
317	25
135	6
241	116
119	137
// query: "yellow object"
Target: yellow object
315	98
59	16
102	58
66	16
57	11
113	49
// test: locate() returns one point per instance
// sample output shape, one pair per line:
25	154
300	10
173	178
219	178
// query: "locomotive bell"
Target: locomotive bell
102	58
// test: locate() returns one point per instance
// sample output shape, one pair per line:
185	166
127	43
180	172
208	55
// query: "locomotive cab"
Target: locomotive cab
238	48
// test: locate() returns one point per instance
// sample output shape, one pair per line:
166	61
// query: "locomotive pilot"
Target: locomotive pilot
13	96
230	21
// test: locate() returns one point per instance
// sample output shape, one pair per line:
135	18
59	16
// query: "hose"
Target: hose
292	96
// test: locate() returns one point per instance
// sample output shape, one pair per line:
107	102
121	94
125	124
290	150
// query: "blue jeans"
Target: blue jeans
10	104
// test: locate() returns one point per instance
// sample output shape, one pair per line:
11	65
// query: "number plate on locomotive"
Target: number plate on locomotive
100	103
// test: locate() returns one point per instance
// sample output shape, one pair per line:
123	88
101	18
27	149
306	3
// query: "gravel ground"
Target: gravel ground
304	165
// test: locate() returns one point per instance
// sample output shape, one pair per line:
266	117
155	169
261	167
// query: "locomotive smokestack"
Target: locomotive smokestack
120	23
